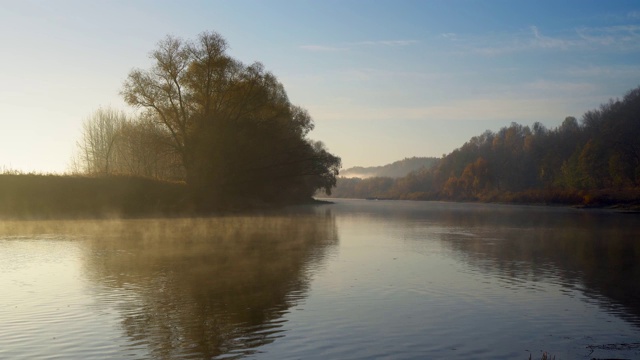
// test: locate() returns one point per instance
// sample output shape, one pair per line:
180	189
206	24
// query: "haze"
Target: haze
383	80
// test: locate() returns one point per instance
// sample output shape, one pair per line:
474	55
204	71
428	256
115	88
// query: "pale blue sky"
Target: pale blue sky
383	80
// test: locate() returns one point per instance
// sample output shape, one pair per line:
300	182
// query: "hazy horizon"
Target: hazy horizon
383	81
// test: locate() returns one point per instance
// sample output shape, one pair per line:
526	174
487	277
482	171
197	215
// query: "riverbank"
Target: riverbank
623	200
627	199
35	196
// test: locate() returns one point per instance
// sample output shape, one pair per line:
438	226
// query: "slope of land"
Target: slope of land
591	162
396	169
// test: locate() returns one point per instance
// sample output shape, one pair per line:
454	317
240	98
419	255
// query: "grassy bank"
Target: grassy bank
53	196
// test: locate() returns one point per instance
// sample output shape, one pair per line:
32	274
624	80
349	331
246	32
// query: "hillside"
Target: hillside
396	169
594	161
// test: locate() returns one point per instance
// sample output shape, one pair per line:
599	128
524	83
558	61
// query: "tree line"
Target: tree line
227	129
600	154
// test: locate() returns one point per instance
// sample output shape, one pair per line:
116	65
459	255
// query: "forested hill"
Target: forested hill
595	160
394	170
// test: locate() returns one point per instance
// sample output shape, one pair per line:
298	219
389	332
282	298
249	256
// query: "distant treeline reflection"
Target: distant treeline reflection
594	251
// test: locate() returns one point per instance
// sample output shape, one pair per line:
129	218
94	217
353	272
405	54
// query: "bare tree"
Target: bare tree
145	149
114	143
100	133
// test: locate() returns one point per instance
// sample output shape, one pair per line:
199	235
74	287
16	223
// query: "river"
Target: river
356	279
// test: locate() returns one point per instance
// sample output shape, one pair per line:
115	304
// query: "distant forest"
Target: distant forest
594	161
396	169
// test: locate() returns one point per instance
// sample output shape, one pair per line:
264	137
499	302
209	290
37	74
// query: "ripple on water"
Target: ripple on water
395	286
46	312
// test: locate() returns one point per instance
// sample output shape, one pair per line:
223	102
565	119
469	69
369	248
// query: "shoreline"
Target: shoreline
47	197
623	207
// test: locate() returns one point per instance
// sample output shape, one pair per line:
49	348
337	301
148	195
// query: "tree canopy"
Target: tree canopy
232	127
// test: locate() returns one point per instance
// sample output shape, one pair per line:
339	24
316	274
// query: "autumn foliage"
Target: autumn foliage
594	161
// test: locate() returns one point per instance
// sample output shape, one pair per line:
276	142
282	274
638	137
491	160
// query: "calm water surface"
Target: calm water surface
353	280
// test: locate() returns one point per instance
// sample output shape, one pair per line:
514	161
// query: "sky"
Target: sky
383	80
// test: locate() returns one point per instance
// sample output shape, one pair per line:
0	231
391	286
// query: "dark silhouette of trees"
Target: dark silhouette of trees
232	125
225	128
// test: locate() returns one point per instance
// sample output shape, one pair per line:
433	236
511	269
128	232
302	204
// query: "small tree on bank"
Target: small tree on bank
98	146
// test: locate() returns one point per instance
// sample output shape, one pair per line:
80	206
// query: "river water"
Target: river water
352	280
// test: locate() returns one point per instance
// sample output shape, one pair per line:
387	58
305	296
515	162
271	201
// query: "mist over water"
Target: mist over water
162	288
352	280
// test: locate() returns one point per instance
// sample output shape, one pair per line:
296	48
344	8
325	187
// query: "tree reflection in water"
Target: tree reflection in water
207	287
597	251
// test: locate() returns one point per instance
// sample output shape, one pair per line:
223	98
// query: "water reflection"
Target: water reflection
409	280
594	251
206	287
